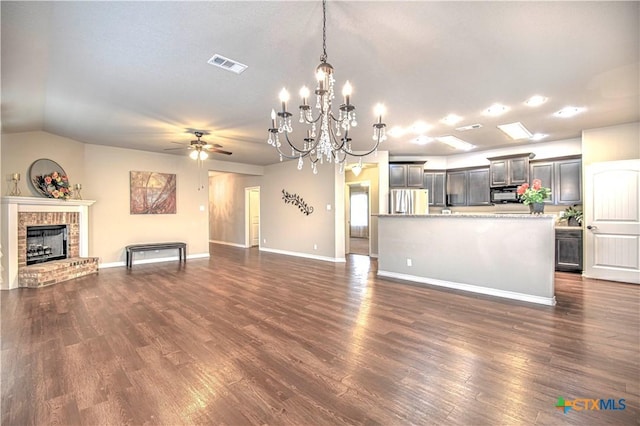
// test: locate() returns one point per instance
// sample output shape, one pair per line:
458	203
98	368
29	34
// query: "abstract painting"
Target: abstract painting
153	193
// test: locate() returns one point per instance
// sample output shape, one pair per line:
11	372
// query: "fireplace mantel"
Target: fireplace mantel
11	206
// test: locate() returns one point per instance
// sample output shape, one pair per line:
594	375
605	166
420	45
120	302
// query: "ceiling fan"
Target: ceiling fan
199	148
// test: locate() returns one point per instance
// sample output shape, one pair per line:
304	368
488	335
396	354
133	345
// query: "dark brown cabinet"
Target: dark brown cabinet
406	175
569	250
478	187
434	182
564	177
468	187
509	170
457	188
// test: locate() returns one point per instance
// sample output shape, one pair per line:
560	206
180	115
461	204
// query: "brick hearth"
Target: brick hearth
44	274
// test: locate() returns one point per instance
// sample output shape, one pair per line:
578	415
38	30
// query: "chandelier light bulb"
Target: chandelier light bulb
320	76
346	92
379	110
284	98
304	94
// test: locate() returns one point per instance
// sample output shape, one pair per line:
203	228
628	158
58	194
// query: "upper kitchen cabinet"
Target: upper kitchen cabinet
563	176
509	170
478	187
434	182
457	188
468	187
406	175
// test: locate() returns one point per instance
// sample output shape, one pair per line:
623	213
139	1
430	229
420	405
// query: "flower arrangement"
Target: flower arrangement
53	185
535	193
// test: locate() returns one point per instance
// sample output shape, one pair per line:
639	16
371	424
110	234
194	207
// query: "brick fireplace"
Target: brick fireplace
19	213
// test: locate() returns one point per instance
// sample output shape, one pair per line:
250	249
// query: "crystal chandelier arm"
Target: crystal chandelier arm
304	116
302	152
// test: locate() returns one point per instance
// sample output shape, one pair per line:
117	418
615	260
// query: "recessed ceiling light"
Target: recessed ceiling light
535	100
420	127
496	110
515	130
422	140
396	131
456	143
451	120
569	111
538	136
227	64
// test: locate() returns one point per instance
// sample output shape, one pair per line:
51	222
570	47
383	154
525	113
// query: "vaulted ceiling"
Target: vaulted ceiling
135	74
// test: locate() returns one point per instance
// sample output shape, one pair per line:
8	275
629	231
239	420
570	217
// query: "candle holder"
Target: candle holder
15	177
77	187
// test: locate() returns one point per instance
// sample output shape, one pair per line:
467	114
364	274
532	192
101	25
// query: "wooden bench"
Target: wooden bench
181	247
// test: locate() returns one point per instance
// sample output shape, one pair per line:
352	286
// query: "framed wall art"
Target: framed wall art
152	193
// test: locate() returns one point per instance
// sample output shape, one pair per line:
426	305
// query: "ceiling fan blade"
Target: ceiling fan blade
174	149
219	151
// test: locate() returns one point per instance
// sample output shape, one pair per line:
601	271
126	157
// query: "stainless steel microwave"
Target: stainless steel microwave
507	194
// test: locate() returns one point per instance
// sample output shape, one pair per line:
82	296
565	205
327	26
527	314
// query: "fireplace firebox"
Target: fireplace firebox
46	243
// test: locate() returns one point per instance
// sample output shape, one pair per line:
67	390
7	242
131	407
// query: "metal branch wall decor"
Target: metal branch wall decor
297	201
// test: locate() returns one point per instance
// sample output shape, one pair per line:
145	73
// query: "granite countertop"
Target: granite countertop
476	216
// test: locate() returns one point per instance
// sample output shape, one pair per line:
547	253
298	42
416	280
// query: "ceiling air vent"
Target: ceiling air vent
227	64
469	127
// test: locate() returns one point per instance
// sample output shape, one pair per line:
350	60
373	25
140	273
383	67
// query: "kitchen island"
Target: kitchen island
503	255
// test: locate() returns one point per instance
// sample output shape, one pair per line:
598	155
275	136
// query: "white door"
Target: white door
254	217
612	221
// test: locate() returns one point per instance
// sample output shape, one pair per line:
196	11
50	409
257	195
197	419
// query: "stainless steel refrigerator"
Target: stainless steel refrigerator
409	201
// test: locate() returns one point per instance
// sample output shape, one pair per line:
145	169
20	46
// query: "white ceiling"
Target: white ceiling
135	74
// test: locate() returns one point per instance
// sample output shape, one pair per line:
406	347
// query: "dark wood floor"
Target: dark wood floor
261	338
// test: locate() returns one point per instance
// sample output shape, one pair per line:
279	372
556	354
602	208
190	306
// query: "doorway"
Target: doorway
252	217
358	220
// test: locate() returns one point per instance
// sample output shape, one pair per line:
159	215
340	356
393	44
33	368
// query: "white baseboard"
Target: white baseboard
549	301
305	255
155	260
228	244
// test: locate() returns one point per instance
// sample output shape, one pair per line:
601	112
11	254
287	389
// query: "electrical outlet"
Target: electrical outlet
409	262
264	241
315	247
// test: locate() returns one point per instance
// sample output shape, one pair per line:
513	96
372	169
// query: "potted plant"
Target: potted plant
573	216
534	195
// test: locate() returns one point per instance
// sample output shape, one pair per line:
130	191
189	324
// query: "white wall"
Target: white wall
611	143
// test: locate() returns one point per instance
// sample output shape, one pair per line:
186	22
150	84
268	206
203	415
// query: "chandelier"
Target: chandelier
327	138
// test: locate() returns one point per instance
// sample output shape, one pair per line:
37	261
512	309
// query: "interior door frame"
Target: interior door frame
247	216
347	219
